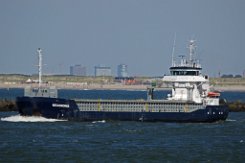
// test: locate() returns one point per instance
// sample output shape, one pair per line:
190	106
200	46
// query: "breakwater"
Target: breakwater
7	105
236	106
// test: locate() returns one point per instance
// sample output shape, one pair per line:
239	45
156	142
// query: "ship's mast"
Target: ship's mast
39	67
192	49
173	51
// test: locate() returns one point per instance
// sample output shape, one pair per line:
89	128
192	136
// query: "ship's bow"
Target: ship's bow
26	106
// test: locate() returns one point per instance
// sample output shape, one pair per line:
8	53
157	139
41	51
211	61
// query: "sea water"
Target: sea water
37	139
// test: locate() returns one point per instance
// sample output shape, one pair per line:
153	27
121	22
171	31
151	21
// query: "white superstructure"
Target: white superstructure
187	82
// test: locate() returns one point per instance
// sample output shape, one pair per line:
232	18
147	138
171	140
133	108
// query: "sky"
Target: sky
138	33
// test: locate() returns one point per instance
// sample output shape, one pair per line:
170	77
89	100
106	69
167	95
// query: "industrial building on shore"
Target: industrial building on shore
78	70
122	71
102	71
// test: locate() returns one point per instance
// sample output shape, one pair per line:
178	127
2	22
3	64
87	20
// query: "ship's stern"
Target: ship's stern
217	113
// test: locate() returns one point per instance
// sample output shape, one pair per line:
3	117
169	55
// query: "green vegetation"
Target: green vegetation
18	79
227	81
13	78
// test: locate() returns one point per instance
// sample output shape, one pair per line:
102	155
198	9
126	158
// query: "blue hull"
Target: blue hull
41	106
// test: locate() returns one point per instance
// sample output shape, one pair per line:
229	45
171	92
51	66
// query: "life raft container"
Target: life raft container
213	94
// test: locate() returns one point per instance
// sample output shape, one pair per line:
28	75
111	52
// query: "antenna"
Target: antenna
39	67
173	51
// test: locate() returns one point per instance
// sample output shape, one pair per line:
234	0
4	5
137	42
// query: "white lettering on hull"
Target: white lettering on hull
60	105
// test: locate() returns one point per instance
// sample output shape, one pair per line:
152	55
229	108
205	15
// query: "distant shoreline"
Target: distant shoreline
107	83
234	88
239	88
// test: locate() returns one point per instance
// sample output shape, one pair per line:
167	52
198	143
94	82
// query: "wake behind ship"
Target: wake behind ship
191	100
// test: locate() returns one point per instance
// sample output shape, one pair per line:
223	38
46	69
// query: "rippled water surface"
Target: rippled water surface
36	139
51	141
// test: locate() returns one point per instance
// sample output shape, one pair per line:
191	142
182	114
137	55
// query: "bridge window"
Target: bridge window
187	73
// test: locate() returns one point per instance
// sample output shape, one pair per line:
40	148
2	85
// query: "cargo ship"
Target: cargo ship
190	101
